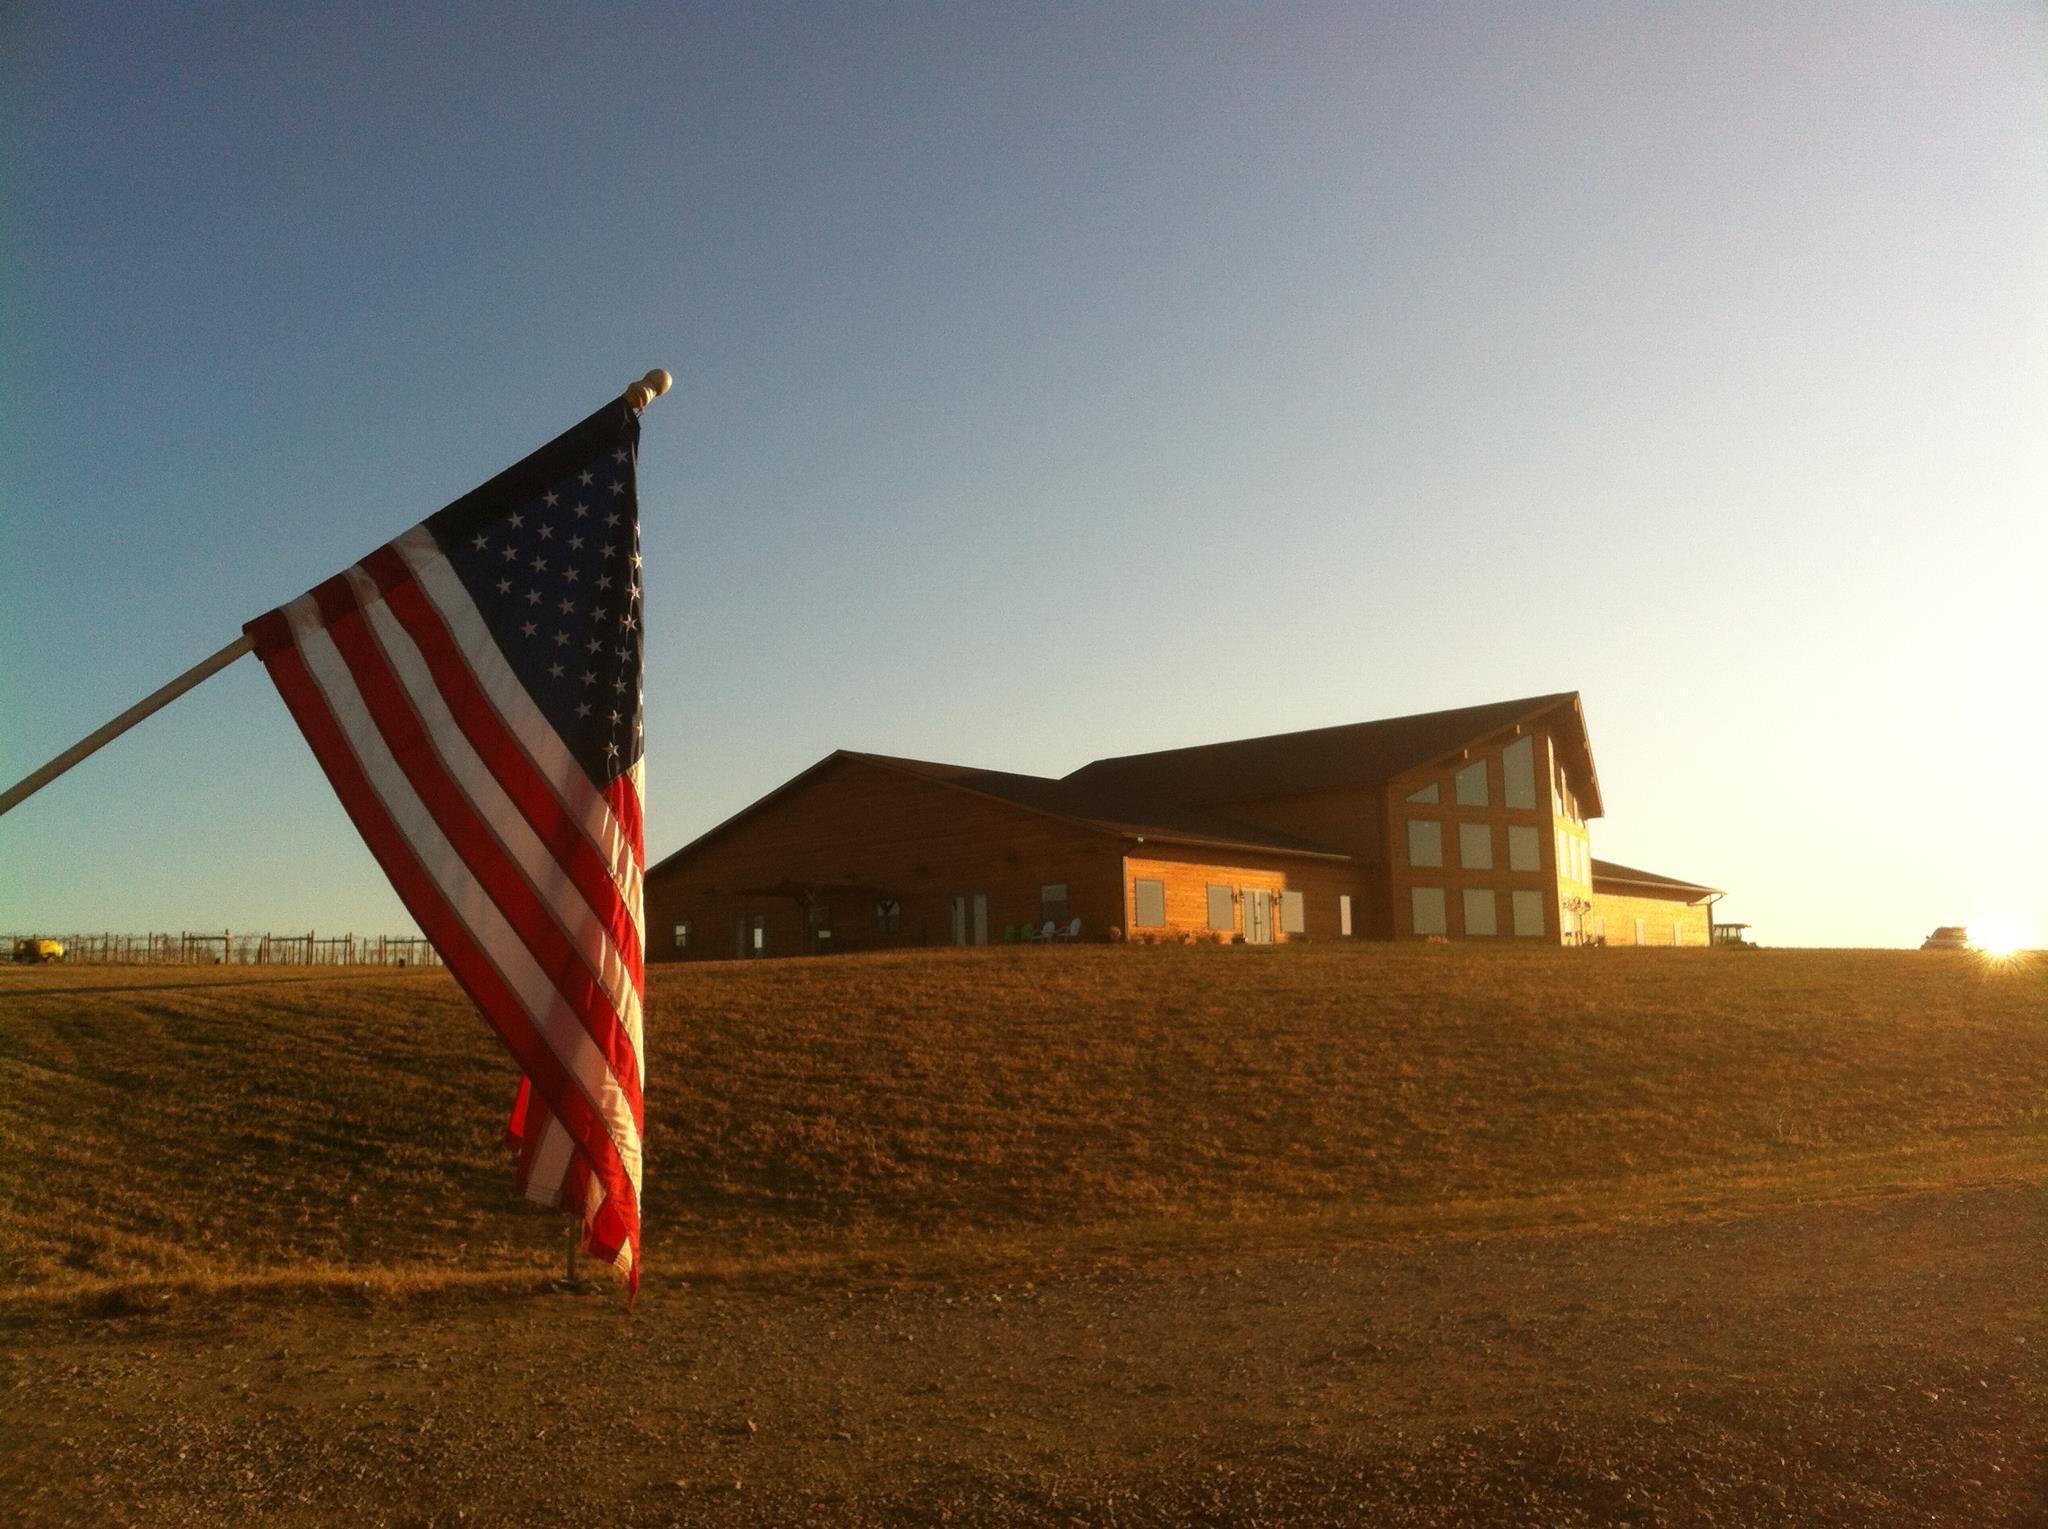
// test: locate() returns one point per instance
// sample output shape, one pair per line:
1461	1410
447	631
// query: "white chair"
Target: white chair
1073	931
1049	932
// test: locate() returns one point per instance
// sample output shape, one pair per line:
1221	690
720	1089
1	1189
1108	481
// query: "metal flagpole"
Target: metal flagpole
639	394
94	741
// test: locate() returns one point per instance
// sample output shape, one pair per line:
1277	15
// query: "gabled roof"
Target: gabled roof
1323	758
1626	879
1167	821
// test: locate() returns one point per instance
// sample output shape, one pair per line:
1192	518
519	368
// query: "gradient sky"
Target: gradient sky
1056	382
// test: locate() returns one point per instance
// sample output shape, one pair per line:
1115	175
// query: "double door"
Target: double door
970	918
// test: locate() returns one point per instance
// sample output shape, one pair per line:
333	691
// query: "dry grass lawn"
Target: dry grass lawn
166	1129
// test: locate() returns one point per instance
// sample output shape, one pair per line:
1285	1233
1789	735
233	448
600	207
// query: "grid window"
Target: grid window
1525	850
1529	914
1429	795
1471	784
1222	907
1148	904
1425	841
682	937
1475	846
1426	909
1480	911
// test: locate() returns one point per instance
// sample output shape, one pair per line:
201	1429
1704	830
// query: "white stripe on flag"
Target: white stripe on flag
555	888
553	1020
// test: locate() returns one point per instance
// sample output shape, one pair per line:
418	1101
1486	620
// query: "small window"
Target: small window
1471	784
1677	932
1148	904
1344	914
888	915
1222	907
1529	914
1426	909
1428	795
1052	903
682	936
1518	775
1525	850
1425	842
758	934
1475	846
1480	911
1293	917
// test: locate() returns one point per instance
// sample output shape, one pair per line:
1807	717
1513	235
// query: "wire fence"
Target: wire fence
228	948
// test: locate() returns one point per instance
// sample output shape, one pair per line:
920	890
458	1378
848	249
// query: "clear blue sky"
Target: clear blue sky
1056	382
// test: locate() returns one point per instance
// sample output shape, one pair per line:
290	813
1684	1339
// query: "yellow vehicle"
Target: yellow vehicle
37	949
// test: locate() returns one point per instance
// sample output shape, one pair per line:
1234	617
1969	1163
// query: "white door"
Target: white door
970	918
1258	916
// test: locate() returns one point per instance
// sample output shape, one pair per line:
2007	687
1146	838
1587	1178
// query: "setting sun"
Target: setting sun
1998	937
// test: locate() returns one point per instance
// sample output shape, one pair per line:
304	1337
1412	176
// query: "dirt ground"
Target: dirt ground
1876	1361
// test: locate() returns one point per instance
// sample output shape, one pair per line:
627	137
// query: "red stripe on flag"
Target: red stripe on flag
624	800
506	757
567	967
467	961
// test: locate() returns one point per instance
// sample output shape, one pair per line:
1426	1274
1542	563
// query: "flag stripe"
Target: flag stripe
576	838
467	961
438	582
564	1041
526	908
597	920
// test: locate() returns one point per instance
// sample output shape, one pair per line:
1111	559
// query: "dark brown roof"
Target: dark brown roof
1647	883
1323	758
1168	821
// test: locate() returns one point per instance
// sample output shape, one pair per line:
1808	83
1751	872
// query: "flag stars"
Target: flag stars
589	678
595	644
556	671
583	710
540	565
566	607
586	477
561	639
533	597
551	499
504	586
618	485
481	541
528	629
510	553
636	557
611	518
575	544
604	581
570	575
627	621
516	520
547	533
619	455
581	512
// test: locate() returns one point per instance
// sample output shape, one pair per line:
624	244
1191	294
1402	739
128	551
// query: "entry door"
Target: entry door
970	918
1258	916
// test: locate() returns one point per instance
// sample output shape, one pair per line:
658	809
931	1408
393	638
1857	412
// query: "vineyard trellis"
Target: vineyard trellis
228	948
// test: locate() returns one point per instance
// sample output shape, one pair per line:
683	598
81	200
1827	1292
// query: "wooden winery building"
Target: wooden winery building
1464	824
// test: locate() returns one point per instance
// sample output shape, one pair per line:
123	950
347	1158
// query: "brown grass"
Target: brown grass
219	1130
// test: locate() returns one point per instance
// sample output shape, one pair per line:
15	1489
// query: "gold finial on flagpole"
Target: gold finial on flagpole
642	393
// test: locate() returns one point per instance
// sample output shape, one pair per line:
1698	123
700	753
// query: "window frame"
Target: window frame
1138	885
1492	905
1416	898
1433	826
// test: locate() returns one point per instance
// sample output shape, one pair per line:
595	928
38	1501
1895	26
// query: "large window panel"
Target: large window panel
1481	911
1529	913
1475	846
1470	784
1293	917
1426	910
1148	903
1518	775
1428	795
1222	907
1525	850
1425	842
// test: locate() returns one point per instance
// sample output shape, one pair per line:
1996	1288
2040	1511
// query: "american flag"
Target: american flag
472	690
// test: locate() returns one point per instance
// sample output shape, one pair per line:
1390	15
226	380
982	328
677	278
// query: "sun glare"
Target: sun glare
1999	938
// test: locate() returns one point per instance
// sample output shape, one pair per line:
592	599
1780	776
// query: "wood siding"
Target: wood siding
859	832
1187	876
1615	914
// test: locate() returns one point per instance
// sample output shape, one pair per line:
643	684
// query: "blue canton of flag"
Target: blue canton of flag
556	576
